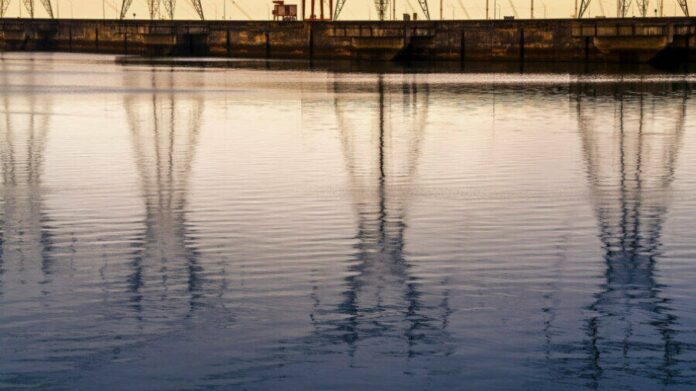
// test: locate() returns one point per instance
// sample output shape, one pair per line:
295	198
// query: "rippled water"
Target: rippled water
168	227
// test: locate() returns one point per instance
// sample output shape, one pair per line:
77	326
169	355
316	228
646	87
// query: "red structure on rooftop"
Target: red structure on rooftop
328	15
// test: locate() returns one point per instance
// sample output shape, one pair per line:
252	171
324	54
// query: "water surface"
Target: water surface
178	227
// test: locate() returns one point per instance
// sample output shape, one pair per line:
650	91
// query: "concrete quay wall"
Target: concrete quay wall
589	40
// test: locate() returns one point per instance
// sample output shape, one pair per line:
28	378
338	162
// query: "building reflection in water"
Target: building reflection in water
382	306
25	238
630	326
165	126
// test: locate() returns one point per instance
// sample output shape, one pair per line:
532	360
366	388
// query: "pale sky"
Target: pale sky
354	9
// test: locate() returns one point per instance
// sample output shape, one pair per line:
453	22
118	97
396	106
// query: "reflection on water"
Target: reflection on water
165	134
378	285
631	325
25	239
318	229
631	328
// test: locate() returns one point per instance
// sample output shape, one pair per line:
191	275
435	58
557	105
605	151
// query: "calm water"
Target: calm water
168	228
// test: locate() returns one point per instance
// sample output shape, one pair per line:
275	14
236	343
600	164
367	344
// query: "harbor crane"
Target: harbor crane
167	8
29	5
623	6
153	7
382	8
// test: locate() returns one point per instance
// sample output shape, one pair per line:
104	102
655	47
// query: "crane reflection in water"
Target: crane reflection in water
630	327
25	238
382	308
165	126
146	286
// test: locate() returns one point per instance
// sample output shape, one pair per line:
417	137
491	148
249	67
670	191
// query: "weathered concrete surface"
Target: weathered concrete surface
588	40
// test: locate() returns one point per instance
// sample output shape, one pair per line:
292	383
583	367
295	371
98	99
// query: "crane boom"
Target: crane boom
426	10
684	5
199	8
461	4
48	7
125	5
584	5
514	9
241	10
338	9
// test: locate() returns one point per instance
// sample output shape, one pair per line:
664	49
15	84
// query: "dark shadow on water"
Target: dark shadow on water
347	66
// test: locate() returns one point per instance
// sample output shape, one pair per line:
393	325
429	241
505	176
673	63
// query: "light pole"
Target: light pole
575	13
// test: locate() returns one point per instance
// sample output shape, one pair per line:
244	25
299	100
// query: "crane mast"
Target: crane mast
29	6
153	7
169	8
4	4
48	7
622	7
382	7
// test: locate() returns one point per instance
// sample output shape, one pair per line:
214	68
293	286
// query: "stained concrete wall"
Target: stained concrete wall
590	40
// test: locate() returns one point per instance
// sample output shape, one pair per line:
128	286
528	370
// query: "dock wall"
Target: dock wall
588	40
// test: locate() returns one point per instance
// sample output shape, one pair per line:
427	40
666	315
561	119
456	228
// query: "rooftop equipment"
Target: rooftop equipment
284	12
